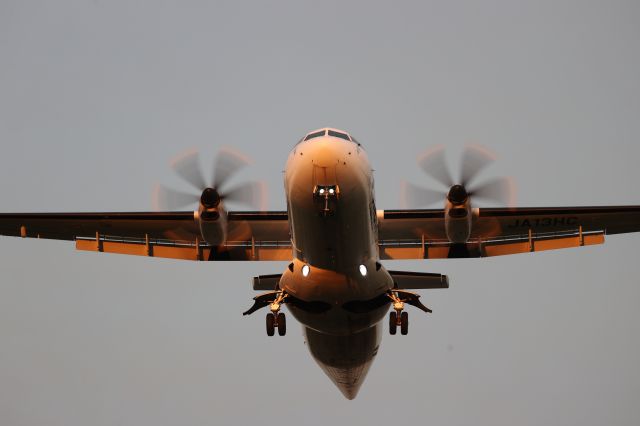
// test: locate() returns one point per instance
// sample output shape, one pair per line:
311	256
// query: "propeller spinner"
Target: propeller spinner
474	160
227	163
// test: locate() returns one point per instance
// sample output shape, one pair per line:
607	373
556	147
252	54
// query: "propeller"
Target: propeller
227	163
474	160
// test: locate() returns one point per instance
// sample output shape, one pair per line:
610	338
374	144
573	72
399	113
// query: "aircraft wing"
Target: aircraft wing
420	234
251	235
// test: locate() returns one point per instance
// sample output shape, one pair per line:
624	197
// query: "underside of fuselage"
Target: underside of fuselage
345	359
337	286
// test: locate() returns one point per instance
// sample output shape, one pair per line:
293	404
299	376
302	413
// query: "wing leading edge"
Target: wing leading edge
252	235
420	234
403	234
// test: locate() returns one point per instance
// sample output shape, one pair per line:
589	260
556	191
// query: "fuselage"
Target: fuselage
335	280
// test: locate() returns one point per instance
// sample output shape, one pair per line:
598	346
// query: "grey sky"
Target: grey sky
96	97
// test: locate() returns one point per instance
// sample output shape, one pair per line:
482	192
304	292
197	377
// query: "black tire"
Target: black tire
393	323
282	324
404	323
271	325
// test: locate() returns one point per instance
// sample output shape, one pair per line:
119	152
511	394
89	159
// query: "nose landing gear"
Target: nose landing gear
400	318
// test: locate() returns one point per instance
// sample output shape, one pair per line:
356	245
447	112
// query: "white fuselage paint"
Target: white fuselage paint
337	242
334	236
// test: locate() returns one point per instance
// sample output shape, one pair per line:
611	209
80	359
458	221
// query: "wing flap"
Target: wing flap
187	250
533	242
390	252
498	246
183	250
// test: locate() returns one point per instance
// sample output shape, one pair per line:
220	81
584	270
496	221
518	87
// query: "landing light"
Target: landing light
306	270
321	191
331	191
363	270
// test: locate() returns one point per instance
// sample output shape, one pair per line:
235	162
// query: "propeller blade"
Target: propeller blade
413	196
433	163
170	199
227	163
252	194
474	160
187	166
499	190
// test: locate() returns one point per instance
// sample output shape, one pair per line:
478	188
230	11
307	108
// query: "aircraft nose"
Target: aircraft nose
345	359
327	152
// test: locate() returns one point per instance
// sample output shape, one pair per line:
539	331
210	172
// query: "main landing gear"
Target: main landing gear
275	318
278	321
400	318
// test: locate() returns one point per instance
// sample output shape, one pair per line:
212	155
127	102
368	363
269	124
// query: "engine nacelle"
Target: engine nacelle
458	215
212	218
213	225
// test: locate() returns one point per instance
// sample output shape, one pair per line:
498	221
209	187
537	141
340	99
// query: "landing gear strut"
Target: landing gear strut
275	318
400	318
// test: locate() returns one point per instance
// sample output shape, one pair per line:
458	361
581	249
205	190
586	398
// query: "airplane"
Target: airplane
333	238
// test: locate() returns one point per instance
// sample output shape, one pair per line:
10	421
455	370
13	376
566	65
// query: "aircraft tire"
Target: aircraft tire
282	324
270	325
404	323
393	323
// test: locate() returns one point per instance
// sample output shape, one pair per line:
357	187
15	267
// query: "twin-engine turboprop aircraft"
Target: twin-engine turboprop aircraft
334	238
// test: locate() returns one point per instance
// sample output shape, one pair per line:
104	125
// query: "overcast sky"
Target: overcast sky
97	97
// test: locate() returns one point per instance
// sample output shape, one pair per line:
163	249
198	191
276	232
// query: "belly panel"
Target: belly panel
345	359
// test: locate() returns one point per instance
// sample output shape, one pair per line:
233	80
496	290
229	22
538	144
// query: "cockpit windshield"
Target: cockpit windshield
315	135
339	135
329	132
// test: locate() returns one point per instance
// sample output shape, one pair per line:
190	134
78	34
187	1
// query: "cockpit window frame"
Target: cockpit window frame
336	134
314	135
